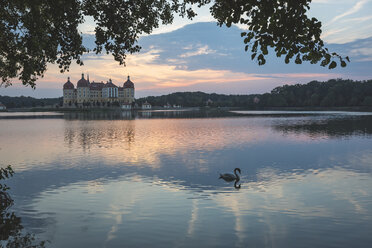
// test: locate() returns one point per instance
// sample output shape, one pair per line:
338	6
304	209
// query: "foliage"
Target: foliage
280	24
35	33
331	127
24	102
333	93
5	199
10	225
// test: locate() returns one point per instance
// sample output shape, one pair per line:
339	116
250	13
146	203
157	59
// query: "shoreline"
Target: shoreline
159	109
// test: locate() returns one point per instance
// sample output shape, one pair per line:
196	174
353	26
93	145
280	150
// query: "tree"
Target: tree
5	199
332	93
11	234
367	101
35	33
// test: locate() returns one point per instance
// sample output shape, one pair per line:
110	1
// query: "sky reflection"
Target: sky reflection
136	203
114	182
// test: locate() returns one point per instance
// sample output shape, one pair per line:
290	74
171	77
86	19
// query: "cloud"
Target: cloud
201	57
342	19
332	32
200	51
360	19
353	10
365	54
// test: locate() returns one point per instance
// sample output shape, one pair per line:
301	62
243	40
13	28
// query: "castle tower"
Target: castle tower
128	91
69	95
83	92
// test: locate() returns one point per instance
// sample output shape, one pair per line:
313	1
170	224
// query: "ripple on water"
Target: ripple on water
306	181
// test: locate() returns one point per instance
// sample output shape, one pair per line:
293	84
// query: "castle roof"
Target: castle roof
109	84
96	86
128	84
82	82
68	85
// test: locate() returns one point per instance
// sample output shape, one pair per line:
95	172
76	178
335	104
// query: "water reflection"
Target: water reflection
100	134
336	127
154	114
11	229
115	181
191	151
236	184
117	115
304	205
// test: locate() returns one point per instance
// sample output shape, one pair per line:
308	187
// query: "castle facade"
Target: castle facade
89	93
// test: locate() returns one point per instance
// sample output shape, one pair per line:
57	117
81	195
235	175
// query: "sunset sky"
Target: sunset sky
200	56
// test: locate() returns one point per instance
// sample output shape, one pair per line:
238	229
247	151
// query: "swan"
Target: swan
228	177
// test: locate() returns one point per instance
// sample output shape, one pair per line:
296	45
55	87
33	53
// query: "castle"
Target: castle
97	94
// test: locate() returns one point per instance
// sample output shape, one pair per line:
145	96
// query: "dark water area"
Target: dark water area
151	179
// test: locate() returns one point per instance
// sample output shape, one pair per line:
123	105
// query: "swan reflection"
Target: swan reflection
235	184
228	177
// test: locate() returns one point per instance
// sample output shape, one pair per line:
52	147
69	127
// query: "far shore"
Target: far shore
60	109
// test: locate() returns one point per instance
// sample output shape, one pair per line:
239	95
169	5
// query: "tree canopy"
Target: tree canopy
332	93
35	33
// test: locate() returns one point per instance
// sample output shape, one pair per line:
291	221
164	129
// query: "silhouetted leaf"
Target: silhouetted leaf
50	30
332	65
253	55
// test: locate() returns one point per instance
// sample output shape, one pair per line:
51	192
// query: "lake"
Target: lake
151	179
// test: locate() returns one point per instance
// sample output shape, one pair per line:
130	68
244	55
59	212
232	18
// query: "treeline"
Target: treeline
25	102
332	93
195	99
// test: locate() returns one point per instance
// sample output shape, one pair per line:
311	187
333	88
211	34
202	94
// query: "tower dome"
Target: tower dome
68	85
128	84
82	82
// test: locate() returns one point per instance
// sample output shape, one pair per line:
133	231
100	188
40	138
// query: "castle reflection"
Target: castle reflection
112	179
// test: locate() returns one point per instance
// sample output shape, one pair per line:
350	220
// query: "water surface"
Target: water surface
151	179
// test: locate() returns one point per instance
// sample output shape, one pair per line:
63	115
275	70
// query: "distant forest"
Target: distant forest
332	93
27	101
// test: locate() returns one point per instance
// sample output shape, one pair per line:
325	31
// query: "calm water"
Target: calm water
151	180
